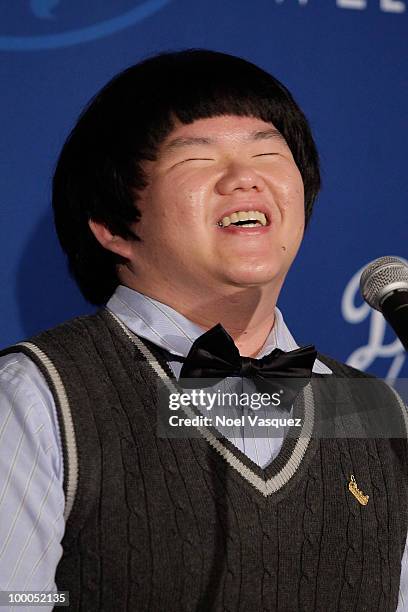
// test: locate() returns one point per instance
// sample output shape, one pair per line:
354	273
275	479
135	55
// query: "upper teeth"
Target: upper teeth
250	215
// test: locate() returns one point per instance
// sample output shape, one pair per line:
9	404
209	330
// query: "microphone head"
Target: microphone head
382	277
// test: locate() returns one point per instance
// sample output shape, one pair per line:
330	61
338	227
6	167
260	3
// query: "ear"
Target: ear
110	241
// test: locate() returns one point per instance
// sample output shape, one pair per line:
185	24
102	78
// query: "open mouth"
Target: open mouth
250	218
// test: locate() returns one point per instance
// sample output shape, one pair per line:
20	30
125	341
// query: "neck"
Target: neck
247	314
247	319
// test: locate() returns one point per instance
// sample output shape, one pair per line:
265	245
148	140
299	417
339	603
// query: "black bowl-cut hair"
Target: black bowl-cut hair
99	170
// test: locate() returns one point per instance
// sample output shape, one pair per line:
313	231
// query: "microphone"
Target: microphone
384	286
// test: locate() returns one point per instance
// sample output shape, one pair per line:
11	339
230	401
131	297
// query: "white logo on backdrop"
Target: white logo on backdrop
375	348
388	6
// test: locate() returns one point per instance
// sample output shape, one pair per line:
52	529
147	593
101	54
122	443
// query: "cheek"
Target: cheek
154	218
291	190
190	206
171	213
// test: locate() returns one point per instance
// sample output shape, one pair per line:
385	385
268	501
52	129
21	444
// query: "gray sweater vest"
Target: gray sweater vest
172	525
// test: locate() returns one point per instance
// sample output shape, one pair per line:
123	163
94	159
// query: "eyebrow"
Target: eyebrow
272	133
178	143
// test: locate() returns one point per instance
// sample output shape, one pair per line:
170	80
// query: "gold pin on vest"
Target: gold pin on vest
359	495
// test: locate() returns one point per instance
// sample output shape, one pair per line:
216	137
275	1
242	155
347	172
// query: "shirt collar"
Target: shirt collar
172	331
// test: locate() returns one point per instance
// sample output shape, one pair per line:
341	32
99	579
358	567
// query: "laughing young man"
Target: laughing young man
181	199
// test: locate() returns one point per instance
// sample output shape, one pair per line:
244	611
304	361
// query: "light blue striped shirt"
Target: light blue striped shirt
31	464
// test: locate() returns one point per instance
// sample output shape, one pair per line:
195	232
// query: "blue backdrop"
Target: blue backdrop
344	60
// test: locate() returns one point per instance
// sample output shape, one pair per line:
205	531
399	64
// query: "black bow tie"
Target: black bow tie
215	356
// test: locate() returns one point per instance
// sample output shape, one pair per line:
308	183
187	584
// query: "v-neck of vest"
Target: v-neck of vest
296	444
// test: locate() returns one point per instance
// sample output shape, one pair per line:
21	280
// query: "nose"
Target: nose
239	177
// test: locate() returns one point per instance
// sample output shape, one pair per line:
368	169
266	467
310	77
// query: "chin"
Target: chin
253	277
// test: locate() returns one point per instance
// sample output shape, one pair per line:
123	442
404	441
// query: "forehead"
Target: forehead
224	129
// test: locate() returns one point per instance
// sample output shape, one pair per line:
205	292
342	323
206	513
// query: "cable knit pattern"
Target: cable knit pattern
354	557
169	525
312	529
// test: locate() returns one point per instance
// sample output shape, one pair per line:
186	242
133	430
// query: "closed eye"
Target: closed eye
183	161
198	159
263	154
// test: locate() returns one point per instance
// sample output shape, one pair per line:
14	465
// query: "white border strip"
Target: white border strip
70	441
